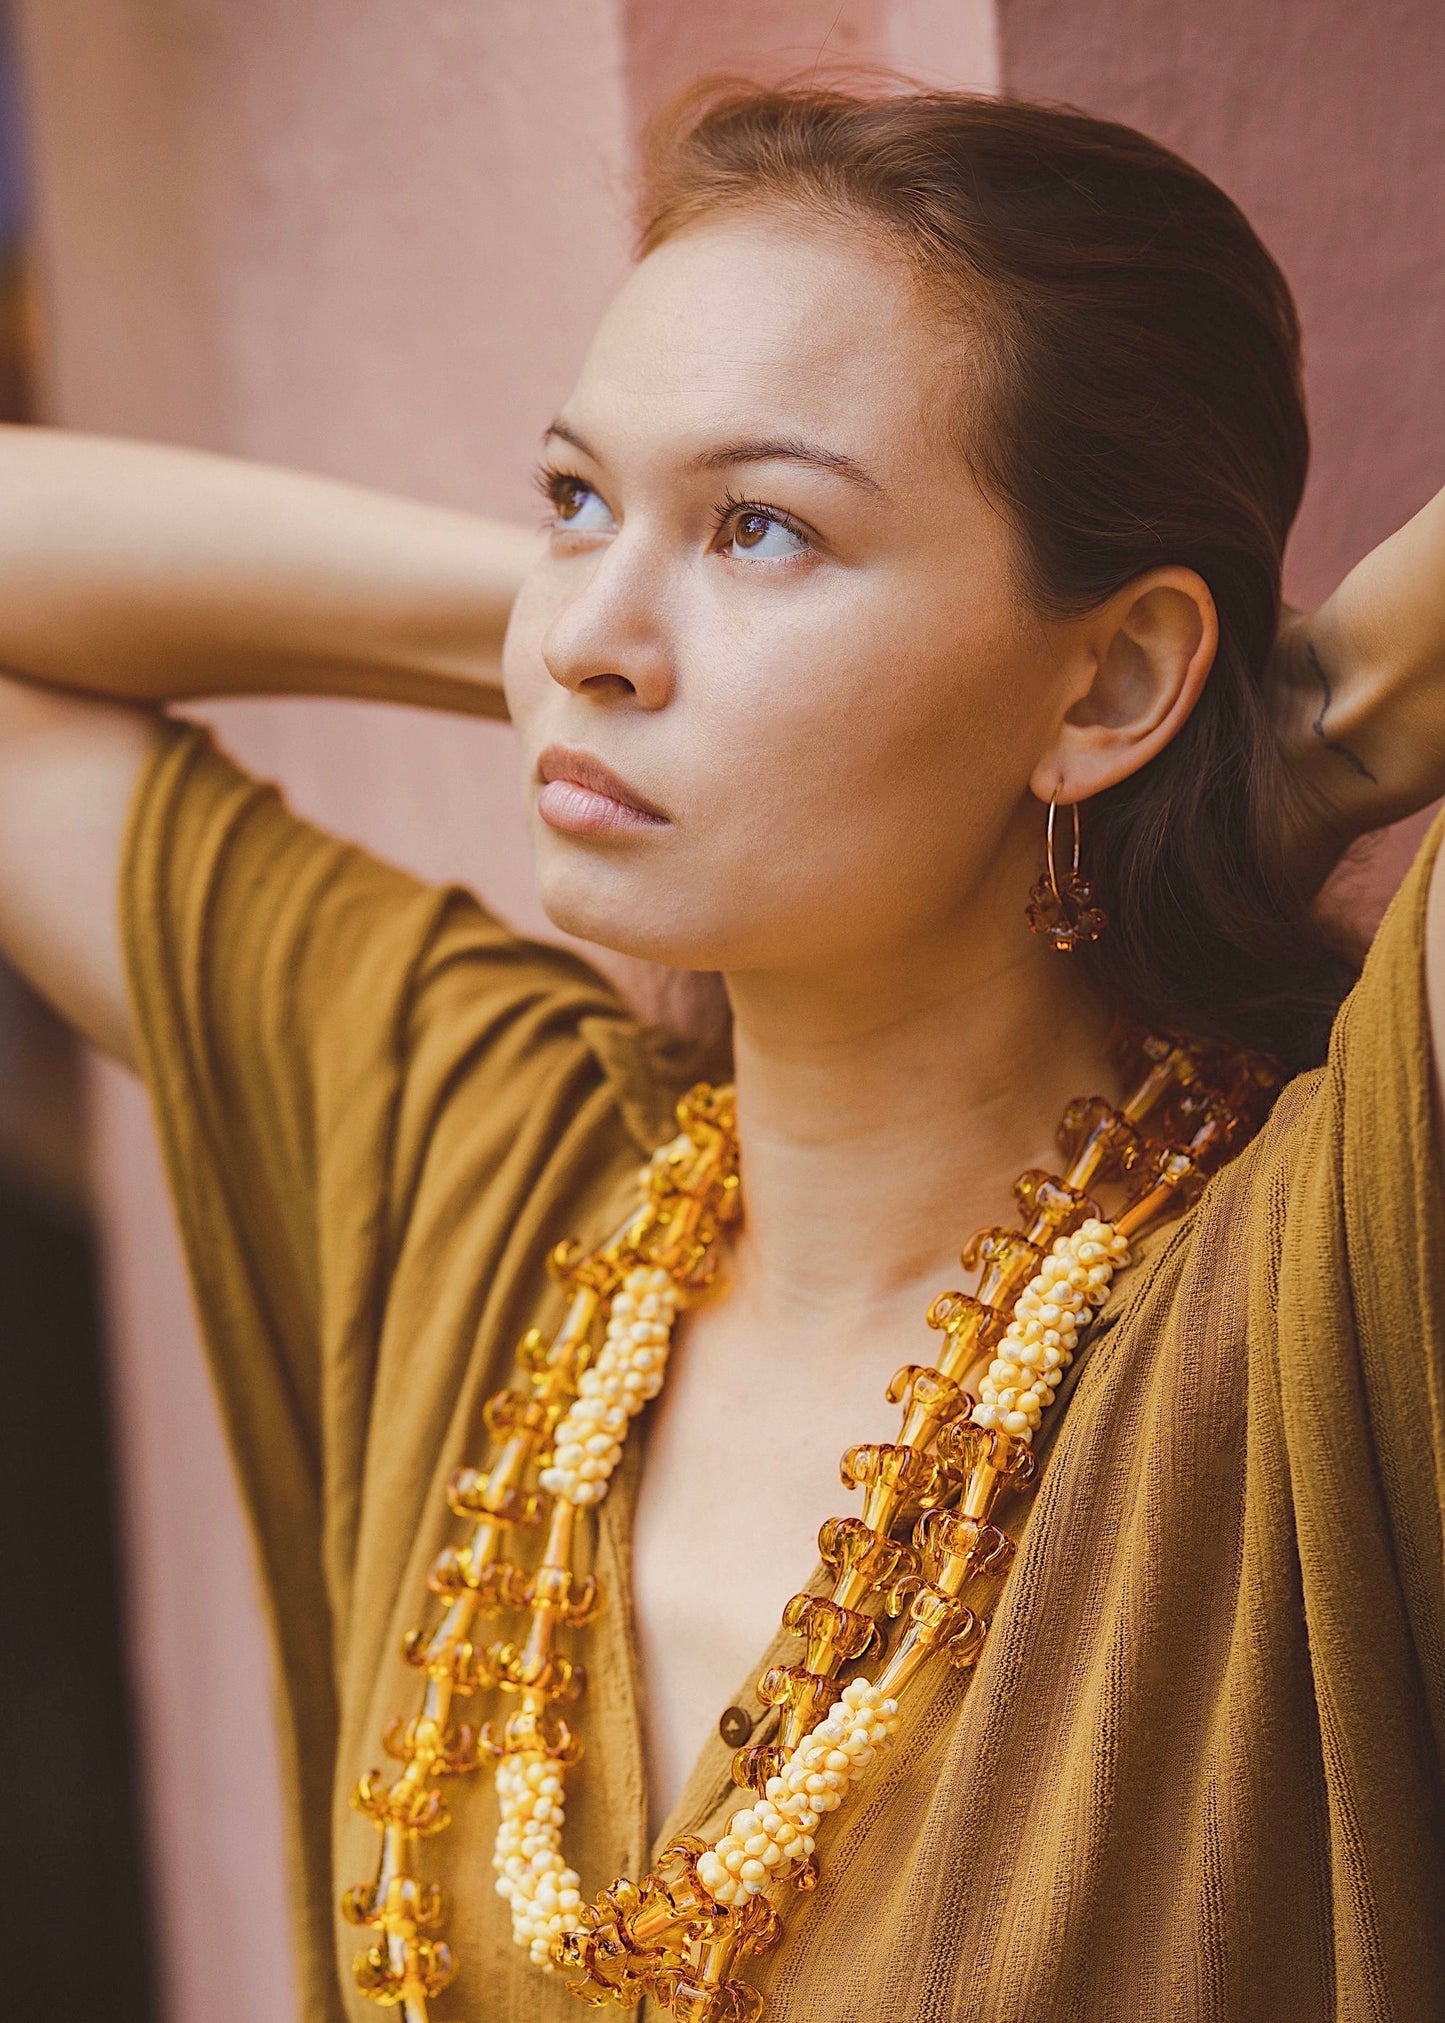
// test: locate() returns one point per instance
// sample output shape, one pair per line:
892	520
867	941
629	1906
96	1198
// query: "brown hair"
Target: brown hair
1140	353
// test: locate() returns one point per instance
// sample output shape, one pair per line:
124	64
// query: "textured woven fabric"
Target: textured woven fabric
1197	1772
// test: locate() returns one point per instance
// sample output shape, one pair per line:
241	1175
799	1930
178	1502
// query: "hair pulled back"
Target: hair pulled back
1134	400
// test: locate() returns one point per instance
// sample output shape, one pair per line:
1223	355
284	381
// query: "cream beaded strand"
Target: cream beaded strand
679	1934
771	1839
1041	1338
966	1437
564	1432
768	1841
544	1895
628	1372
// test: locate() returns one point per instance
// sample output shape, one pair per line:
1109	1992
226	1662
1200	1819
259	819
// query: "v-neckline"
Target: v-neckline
708	1785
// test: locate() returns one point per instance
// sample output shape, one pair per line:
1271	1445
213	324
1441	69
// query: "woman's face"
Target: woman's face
776	616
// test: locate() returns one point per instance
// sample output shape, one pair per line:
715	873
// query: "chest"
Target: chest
739	1471
1145	1693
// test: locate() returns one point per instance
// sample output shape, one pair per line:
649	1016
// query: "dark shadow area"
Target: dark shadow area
74	1866
64	1707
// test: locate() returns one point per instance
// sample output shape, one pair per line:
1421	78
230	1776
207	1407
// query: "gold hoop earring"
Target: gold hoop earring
1064	909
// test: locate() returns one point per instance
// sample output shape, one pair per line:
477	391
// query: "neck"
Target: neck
884	1114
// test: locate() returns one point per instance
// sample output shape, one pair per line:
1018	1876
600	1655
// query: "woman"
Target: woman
926	482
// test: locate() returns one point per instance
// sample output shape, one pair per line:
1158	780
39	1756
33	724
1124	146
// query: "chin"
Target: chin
626	922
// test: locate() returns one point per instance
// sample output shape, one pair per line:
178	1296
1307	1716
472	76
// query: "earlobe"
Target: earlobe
1146	655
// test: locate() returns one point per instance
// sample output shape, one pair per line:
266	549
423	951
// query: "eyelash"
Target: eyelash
730	507
554	482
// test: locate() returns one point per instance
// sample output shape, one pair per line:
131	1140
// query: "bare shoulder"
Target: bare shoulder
69	766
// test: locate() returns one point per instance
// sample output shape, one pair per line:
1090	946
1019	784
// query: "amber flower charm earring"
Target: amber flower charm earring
1064	908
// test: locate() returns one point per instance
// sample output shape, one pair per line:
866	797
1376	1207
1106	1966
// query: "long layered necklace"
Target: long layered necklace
909	1573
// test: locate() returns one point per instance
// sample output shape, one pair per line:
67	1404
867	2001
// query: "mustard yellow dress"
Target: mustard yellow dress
1197	1773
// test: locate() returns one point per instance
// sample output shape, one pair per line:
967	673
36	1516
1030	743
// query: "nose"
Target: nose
608	639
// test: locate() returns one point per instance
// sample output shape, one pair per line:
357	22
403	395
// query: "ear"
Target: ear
1140	663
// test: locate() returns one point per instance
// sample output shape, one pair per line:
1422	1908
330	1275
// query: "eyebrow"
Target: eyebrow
751	450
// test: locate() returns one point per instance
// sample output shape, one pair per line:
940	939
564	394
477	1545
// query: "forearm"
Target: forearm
147	574
1366	682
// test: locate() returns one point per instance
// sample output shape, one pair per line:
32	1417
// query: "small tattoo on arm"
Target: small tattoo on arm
1351	759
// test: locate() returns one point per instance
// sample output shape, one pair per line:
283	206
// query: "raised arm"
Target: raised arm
132	575
1364	698
146	574
1362	688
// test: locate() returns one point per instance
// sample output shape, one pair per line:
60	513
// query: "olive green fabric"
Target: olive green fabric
1197	1772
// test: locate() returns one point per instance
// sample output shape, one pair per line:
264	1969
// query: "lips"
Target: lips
583	796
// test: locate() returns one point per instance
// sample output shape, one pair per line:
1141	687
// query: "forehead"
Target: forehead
757	324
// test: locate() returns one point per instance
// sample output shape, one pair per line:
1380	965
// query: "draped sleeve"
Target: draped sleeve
305	1015
1358	1333
372	1100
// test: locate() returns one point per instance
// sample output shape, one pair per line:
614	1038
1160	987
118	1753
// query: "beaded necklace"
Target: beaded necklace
920	1556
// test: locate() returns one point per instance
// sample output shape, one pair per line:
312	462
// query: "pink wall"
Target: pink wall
1325	120
949	42
372	243
375	254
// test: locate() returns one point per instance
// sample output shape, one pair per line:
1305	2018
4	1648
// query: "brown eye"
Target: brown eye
755	531
750	529
575	505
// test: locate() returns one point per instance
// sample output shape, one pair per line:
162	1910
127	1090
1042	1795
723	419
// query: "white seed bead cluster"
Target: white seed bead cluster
778	1829
628	1371
1044	1331
544	1894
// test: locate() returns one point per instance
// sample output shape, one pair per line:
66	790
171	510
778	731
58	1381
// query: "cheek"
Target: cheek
842	762
862	772
525	680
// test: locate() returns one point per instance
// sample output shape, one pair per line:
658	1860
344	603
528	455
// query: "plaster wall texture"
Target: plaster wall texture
376	254
373	243
1325	121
